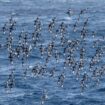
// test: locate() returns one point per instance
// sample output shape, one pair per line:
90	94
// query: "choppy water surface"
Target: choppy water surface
28	91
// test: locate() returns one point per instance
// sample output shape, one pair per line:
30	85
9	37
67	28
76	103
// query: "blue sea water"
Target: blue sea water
28	91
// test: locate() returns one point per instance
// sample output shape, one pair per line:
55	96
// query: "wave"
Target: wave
5	0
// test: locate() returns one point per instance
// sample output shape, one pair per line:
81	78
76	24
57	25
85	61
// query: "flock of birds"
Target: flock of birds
61	49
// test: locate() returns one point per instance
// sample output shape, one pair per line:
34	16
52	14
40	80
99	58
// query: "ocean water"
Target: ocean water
28	91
